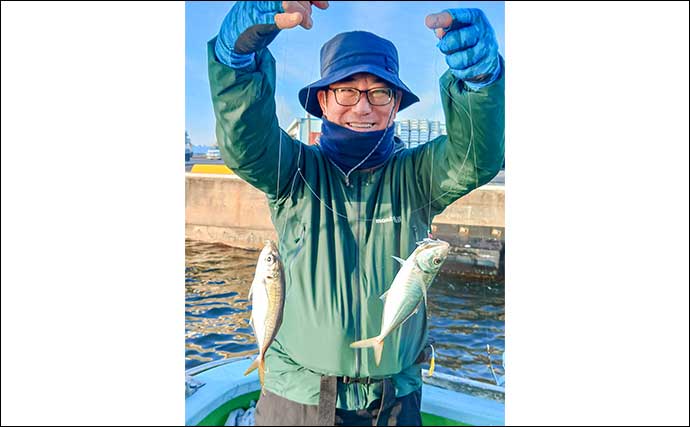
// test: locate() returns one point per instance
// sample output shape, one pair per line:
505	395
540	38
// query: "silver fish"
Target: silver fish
267	294
408	290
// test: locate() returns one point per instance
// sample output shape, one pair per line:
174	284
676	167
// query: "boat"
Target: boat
216	390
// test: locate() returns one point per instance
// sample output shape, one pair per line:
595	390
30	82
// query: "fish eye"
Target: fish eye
437	261
269	259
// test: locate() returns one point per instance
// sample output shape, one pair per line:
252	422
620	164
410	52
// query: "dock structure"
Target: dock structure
223	208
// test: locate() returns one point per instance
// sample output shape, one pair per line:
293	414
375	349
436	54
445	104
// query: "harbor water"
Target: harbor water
467	316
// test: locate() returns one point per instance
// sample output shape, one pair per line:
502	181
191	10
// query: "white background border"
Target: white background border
93	213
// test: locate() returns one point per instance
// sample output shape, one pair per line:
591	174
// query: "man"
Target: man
344	207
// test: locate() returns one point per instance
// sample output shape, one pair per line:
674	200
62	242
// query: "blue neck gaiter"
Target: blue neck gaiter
348	148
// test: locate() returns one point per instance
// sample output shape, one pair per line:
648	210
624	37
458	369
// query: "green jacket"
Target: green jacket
337	238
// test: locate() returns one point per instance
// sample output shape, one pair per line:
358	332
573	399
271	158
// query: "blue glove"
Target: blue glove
247	28
471	48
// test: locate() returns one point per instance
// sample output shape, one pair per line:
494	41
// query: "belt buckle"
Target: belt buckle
366	380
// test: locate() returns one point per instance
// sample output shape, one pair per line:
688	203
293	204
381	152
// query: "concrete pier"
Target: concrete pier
223	208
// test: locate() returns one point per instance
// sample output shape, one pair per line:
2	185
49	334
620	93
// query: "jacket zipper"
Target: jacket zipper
357	296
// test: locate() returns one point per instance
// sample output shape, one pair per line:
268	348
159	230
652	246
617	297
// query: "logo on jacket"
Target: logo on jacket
395	219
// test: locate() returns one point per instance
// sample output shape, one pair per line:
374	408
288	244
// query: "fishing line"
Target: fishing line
280	131
431	200
470	147
437	101
280	146
388	124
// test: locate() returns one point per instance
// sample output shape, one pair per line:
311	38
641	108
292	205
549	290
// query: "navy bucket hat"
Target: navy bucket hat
356	52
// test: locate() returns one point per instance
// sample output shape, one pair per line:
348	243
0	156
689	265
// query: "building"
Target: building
305	129
412	132
188	148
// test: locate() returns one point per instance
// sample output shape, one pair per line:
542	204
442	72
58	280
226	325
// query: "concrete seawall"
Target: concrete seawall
225	209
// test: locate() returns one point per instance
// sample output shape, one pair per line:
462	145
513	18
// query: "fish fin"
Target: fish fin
262	371
254	365
378	350
251	290
383	296
400	260
376	342
416	309
364	343
424	293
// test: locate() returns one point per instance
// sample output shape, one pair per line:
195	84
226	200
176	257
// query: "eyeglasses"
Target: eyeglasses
349	96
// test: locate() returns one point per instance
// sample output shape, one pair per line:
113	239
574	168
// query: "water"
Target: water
466	315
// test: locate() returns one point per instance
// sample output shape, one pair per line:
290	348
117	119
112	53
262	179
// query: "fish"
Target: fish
408	290
267	294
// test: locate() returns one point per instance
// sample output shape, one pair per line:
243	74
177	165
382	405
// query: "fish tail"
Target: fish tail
262	371
365	343
375	342
259	364
255	364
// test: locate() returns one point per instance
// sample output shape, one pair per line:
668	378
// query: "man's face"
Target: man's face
362	116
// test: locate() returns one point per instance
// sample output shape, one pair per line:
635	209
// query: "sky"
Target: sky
596	210
297	54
